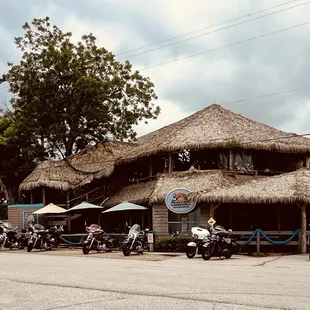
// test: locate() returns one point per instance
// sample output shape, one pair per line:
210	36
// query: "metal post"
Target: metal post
31	197
68	200
211	210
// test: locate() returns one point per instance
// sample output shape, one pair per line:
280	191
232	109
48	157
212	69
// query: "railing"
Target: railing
268	238
78	239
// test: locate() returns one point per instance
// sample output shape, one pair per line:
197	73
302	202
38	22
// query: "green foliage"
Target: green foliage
73	95
18	154
171	244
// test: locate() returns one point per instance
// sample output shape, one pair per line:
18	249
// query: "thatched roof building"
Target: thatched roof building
215	127
155	191
77	170
195	180
139	193
293	187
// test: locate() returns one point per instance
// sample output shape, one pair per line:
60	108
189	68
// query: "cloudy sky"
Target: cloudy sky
270	64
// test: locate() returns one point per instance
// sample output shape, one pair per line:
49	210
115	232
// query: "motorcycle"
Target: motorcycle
40	238
11	238
136	240
219	243
55	233
97	240
195	247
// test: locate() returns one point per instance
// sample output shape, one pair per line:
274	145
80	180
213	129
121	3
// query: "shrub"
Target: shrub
171	244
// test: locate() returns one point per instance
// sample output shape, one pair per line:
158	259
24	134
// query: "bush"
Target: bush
171	244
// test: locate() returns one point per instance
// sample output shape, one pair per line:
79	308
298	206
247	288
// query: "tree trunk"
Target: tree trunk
12	196
10	193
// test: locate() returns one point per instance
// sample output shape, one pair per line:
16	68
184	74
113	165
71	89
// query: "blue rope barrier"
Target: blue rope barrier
295	233
72	243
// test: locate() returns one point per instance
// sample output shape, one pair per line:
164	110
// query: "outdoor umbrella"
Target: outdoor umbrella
85	208
126	206
82	207
50	209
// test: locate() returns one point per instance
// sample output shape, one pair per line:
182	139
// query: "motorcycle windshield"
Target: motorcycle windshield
94	226
135	228
38	227
6	225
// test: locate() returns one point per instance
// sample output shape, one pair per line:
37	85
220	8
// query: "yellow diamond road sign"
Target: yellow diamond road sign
211	221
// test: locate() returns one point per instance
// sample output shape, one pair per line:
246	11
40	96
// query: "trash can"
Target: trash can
150	240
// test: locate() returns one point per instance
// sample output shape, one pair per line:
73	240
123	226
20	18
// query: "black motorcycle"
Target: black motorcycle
55	233
219	243
40	238
10	237
97	240
136	240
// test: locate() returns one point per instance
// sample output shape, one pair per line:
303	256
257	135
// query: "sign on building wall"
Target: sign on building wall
177	201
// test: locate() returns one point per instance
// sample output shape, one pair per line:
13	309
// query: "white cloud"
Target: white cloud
259	67
170	113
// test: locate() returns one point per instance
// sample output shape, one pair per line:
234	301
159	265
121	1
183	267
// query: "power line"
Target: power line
251	98
205	28
214	31
226	46
193	110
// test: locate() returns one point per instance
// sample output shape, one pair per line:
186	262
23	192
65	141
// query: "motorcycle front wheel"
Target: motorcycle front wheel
29	247
206	253
190	252
126	250
85	249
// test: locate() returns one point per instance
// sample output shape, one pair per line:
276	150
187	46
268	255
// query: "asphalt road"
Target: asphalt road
44	281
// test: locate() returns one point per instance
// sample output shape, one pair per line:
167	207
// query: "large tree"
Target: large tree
19	153
71	95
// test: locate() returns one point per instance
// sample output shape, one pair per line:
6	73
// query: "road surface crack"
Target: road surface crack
171	296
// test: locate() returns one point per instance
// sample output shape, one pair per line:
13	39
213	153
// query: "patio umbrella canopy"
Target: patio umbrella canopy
50	209
84	206
125	206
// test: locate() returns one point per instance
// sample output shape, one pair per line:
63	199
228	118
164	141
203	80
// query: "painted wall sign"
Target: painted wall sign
177	202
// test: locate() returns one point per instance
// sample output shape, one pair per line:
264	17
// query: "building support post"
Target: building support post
258	242
151	168
170	163
303	237
306	162
43	196
68	207
279	218
230	160
31	197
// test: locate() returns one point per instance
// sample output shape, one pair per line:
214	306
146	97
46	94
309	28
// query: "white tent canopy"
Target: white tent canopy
50	209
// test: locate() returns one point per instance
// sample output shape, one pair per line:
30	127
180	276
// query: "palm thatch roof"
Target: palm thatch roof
77	170
215	127
195	180
139	193
293	187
